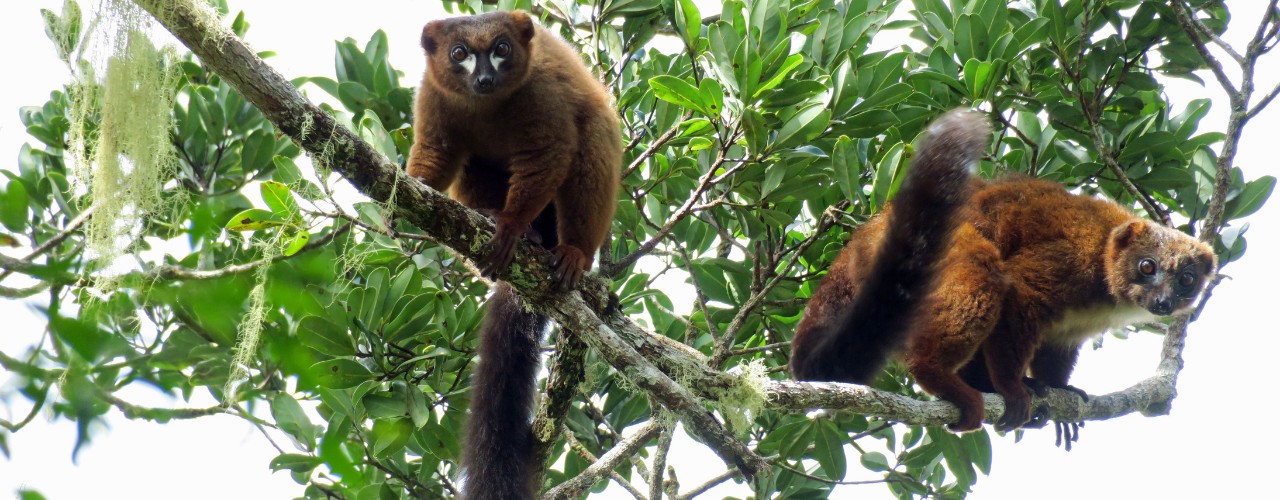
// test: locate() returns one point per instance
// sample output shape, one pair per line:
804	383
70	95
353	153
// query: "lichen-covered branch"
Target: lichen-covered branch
568	369
573	313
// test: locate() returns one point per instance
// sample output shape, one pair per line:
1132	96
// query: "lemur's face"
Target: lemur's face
1158	268
481	55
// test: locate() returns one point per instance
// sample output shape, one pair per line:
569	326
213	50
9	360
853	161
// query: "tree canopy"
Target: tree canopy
186	220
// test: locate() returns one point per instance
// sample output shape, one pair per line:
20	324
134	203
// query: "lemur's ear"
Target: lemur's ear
431	33
524	26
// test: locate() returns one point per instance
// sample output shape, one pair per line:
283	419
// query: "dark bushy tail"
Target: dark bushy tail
497	454
849	338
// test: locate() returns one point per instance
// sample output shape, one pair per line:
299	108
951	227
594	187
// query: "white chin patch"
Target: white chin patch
469	63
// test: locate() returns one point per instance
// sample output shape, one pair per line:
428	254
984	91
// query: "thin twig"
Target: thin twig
1189	25
711	483
657	143
660	455
57	239
605	464
724	349
172	272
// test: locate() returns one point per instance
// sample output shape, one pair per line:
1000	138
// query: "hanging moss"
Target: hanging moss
129	161
249	332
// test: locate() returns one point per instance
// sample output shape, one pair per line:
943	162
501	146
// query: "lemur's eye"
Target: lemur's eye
1186	280
458	53
1147	267
503	49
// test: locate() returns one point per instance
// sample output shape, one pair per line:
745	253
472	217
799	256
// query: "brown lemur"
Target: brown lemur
511	122
1007	283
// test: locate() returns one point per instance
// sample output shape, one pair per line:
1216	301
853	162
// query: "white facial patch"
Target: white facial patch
497	61
469	63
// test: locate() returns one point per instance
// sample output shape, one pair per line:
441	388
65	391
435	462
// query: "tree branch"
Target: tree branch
575	487
568	370
172	272
1189	25
53	242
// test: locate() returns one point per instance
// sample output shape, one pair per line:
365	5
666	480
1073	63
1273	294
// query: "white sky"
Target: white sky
1217	441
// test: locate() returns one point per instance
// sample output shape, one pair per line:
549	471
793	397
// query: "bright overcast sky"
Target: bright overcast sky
1217	442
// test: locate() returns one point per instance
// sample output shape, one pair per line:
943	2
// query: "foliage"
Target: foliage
758	137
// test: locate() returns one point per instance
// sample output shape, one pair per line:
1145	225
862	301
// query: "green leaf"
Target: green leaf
85	337
280	199
679	92
389	436
14	212
869	123
828	449
239	26
978	445
886	173
286	170
1251	198
293	420
294	462
688	21
413	315
847	168
419	413
1152	143
885	97
294	244
808	117
971	38
875	461
1166	177
340	373
27	494
978	78
257	150
254	219
712	94
710	279
380	406
322	335
788	65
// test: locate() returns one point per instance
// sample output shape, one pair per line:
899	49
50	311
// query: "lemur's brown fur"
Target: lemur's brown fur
510	121
545	133
1030	273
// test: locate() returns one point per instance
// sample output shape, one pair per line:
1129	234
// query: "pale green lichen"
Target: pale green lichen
308	123
132	154
741	402
249	332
